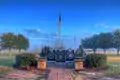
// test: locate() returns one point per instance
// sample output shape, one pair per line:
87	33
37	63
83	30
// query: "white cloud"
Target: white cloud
102	25
106	26
33	30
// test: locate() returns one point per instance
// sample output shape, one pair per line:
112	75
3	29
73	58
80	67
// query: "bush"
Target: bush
25	60
95	60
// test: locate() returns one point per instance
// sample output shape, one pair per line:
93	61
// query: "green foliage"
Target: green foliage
95	60
80	52
91	42
11	41
25	60
22	42
105	41
116	40
8	41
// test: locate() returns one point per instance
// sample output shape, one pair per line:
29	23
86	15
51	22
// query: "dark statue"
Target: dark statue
61	55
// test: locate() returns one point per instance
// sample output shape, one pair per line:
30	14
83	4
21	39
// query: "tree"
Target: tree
45	51
85	42
0	44
91	42
116	40
94	42
105	41
8	42
26	44
21	42
80	51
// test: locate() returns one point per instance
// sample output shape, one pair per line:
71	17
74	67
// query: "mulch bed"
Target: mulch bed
22	74
27	73
93	73
101	68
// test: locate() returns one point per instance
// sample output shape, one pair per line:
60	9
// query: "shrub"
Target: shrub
25	60
95	60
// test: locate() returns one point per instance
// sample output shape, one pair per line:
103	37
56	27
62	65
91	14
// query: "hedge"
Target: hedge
95	60
25	60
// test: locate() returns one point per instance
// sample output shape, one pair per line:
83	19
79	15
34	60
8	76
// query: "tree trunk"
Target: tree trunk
19	50
104	51
10	52
118	51
94	51
0	51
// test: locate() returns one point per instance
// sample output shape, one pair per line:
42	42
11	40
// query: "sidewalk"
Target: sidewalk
62	74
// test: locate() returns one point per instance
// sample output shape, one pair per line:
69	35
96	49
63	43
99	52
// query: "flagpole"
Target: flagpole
59	36
59	30
74	42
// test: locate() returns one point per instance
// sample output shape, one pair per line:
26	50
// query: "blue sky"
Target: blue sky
80	18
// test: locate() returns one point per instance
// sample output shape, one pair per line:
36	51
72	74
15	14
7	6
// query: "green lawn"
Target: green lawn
6	55
7	62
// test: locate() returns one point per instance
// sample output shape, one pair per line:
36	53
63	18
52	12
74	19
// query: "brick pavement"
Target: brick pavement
62	74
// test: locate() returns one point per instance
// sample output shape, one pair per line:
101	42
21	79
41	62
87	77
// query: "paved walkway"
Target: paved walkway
62	74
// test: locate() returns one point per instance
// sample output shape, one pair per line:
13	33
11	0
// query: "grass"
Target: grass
6	55
114	62
7	62
4	69
113	71
112	59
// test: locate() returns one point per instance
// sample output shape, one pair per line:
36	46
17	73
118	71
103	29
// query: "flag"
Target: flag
59	22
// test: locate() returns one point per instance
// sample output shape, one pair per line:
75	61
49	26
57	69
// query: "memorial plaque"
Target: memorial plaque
42	64
78	64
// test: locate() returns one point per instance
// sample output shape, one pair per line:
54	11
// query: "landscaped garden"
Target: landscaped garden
112	71
31	66
9	70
